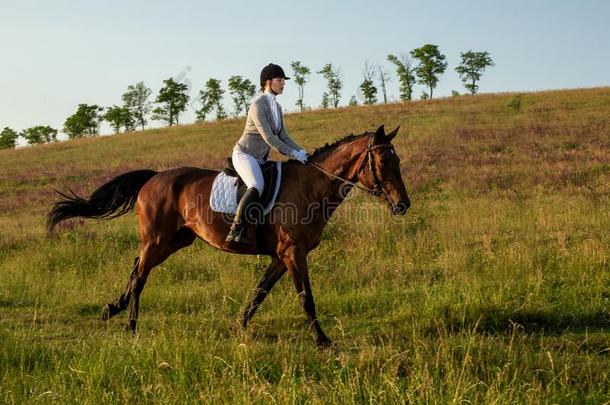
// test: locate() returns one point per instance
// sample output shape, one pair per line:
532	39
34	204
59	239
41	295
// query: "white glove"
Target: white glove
299	155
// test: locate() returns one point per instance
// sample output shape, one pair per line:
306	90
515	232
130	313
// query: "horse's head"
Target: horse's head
380	171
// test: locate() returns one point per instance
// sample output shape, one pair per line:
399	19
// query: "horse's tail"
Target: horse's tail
113	199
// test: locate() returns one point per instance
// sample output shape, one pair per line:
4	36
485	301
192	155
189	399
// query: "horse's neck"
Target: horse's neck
342	162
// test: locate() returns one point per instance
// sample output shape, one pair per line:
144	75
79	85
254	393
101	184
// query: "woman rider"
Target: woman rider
264	129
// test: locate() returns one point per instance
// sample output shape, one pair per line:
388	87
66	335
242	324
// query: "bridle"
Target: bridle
376	191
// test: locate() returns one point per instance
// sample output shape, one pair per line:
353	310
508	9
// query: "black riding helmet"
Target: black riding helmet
271	71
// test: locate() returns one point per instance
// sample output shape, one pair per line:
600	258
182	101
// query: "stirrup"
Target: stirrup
242	237
236	234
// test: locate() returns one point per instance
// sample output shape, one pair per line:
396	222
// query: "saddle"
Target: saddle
270	175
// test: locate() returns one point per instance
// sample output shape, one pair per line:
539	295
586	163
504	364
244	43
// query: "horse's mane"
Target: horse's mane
333	145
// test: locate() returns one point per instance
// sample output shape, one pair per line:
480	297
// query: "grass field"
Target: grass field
494	288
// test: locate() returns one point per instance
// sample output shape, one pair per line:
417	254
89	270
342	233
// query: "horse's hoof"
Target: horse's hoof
324	343
106	313
132	327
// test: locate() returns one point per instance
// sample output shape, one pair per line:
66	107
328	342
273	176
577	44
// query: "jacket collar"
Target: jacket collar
269	95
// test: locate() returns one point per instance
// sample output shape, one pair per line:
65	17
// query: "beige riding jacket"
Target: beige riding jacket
259	135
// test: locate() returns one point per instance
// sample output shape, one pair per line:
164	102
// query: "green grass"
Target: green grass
494	288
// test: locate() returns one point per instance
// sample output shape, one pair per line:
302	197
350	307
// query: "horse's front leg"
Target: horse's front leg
295	259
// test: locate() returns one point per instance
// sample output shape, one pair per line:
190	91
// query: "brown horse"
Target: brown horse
173	209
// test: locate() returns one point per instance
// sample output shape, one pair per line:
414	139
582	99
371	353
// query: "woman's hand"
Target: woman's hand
299	155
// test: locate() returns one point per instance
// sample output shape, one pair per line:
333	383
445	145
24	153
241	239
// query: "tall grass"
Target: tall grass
494	288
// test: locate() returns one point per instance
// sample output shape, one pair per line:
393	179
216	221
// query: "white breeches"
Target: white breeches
249	170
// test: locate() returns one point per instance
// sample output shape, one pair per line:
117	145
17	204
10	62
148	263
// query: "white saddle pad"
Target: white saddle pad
223	197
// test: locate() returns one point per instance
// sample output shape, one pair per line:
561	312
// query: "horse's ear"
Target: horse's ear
380	133
392	134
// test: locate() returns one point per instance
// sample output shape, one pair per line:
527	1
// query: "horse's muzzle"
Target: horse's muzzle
402	207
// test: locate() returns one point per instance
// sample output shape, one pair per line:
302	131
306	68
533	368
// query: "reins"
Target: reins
351	183
376	191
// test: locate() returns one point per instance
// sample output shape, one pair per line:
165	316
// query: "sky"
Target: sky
57	54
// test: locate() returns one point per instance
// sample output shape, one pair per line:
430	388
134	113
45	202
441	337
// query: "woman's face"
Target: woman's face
277	85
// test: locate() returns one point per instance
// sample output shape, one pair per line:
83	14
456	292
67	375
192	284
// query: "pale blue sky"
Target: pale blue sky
57	54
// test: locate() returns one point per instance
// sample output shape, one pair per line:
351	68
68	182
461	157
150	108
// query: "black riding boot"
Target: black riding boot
237	233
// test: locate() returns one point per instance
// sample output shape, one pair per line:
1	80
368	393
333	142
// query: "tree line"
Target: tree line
423	66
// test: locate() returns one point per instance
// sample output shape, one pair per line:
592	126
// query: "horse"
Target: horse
173	210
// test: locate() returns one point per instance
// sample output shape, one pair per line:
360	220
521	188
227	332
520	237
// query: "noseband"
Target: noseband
377	190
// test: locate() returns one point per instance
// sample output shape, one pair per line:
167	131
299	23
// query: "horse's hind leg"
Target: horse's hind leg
151	255
276	270
182	238
121	303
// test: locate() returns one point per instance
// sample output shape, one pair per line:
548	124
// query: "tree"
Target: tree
353	101
384	78
120	117
40	134
206	104
221	114
368	86
472	67
334	84
300	77
431	65
8	138
211	98
136	100
404	71
325	100
241	90
173	100
84	122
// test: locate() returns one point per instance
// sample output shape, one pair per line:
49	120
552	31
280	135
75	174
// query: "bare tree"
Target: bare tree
384	78
368	86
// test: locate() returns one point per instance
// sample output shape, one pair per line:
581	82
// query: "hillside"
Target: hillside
495	287
556	140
